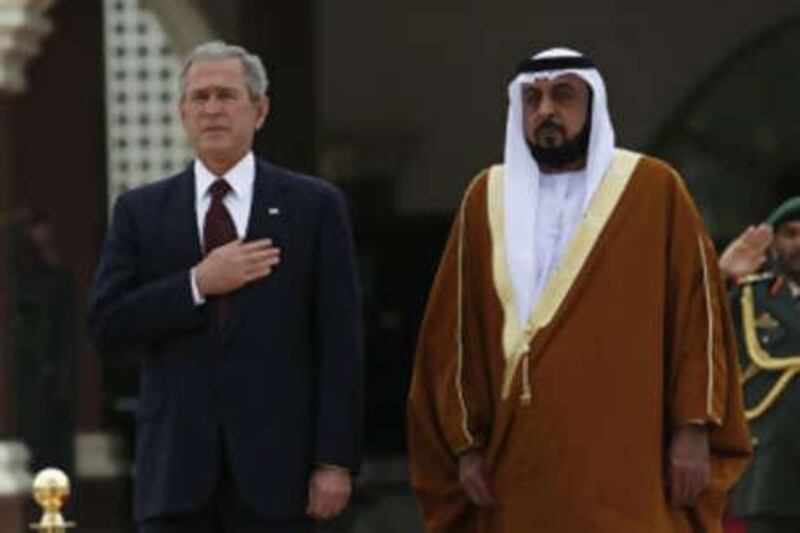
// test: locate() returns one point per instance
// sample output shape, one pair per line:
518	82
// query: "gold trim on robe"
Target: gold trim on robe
516	339
710	333
460	318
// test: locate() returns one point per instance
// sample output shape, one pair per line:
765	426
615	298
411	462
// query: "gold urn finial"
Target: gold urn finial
51	490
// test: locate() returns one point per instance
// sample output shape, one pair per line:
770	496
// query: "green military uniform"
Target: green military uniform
766	308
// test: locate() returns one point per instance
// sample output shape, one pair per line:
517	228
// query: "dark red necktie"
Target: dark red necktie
218	230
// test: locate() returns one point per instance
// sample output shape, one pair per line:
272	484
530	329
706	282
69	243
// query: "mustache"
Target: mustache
550	124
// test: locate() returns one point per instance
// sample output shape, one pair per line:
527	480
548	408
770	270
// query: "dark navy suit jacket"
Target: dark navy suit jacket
281	384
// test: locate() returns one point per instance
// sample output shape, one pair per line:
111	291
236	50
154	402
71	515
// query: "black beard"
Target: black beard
571	151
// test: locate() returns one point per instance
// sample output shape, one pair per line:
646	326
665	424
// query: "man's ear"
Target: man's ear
262	110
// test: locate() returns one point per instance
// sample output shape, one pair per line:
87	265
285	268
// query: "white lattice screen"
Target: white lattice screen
145	141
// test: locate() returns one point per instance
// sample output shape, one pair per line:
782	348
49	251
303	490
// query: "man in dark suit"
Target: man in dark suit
237	280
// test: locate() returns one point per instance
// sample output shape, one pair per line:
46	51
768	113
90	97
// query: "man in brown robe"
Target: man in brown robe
576	367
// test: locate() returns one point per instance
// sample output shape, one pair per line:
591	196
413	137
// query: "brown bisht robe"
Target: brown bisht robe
574	408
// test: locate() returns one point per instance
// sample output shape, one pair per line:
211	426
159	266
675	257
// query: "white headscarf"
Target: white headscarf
521	180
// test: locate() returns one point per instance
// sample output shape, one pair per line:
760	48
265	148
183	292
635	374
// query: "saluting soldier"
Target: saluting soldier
764	266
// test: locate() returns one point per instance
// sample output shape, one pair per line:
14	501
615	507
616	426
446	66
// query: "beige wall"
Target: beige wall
433	73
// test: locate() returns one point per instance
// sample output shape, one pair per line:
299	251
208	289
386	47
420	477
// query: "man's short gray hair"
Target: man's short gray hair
255	75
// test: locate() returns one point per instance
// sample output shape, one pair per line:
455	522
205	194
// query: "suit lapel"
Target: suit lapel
268	215
181	236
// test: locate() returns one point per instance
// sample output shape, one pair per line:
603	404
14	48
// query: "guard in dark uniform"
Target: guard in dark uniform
766	307
45	345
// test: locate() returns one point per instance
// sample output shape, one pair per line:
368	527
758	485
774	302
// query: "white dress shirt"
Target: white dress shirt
238	201
559	210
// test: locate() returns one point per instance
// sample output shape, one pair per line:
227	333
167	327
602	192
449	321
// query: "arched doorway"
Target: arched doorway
734	139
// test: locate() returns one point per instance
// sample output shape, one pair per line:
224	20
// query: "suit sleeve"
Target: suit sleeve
338	340
124	309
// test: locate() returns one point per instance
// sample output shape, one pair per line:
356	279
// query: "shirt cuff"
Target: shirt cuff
198	298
